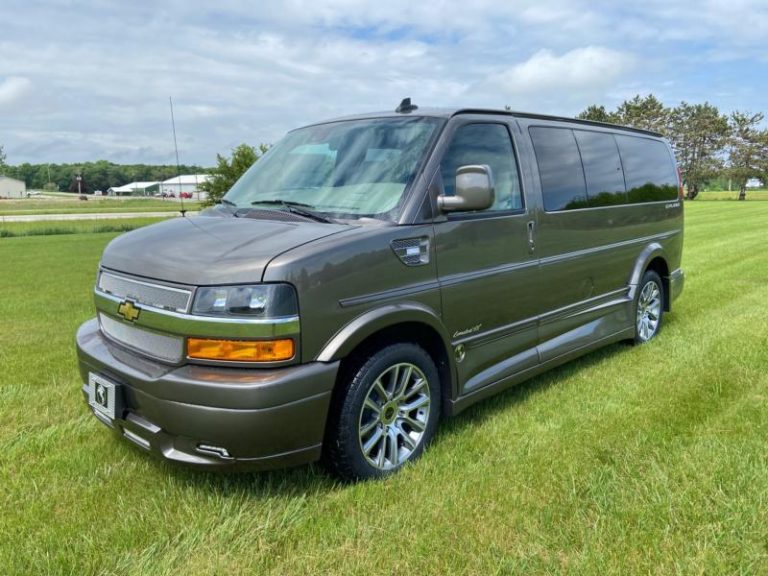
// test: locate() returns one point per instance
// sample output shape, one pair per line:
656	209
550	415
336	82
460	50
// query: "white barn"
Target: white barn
12	188
189	183
135	189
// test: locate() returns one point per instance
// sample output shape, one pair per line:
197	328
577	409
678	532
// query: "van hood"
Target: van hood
210	250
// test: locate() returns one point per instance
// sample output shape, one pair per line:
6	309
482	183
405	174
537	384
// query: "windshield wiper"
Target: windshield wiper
234	208
296	208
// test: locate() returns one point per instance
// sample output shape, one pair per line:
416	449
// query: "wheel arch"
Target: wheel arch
405	322
653	257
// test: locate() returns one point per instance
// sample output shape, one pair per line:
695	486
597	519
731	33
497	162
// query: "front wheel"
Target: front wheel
386	414
649	307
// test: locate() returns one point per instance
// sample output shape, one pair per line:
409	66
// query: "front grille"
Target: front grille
146	293
159	346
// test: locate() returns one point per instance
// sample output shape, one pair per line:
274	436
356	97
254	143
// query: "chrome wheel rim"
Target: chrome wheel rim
648	310
394	416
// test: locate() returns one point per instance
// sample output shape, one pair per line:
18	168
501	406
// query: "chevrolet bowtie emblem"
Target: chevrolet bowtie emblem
128	310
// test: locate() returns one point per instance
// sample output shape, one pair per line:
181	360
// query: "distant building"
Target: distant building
189	183
12	188
135	189
754	183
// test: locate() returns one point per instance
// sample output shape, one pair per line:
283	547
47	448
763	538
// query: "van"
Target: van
373	274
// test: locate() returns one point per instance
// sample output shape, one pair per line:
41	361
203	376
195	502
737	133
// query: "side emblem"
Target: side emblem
128	310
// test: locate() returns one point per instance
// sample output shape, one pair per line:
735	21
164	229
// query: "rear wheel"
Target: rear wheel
386	415
649	307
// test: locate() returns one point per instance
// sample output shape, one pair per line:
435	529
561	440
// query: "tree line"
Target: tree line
708	144
98	175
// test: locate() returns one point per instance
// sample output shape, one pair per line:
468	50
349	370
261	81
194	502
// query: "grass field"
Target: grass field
56	227
646	460
752	195
71	205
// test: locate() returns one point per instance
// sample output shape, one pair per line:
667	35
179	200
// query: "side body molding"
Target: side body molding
372	321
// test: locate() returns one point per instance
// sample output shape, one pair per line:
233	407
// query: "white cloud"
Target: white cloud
582	69
91	79
14	88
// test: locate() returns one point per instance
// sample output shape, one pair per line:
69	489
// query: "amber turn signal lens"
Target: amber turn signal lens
240	350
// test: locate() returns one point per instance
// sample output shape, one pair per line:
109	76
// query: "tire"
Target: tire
649	307
385	414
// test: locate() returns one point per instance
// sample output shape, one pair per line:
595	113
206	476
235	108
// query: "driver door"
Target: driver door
487	270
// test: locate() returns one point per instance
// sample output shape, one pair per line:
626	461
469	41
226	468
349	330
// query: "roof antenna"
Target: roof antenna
405	106
178	168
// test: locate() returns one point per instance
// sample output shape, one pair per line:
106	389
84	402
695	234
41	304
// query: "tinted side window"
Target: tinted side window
484	144
648	169
602	168
562	176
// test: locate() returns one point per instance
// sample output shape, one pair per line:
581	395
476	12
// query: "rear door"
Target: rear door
486	265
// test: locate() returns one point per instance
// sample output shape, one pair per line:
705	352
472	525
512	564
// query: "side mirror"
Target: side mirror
474	190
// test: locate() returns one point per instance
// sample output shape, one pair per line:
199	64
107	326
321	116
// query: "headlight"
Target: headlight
256	301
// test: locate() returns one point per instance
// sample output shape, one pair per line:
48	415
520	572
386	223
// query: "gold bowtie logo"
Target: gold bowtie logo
128	311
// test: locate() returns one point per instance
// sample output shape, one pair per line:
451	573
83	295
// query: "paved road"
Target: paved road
97	216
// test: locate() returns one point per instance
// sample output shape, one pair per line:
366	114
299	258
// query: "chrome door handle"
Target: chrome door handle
531	241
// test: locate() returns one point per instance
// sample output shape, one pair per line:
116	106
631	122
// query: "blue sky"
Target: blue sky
90	80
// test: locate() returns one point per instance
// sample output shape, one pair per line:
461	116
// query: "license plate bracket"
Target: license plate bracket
105	396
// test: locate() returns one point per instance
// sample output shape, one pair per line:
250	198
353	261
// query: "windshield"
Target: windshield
347	169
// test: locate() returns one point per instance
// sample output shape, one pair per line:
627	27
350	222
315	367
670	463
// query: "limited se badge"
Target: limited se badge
129	310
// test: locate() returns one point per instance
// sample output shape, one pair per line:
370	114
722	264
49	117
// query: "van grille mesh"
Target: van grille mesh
167	348
153	295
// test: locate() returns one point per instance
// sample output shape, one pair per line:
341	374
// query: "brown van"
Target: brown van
373	274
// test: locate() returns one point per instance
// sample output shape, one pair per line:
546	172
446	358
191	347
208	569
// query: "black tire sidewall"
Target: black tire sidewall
342	453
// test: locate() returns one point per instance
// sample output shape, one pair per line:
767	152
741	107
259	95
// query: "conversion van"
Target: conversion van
373	274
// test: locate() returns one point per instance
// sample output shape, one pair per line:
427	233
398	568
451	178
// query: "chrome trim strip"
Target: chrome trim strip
389	294
189	325
606	300
596	249
612	298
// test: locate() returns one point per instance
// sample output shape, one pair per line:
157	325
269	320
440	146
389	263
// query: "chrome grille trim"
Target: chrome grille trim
159	346
144	293
166	321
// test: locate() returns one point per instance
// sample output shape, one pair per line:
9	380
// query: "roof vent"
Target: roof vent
406	106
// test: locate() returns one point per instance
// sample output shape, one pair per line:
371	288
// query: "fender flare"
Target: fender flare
653	250
650	252
372	321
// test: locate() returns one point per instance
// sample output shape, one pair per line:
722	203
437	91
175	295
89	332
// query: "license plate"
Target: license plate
102	395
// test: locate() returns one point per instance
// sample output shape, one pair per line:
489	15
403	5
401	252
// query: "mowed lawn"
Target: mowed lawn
70	204
56	227
632	460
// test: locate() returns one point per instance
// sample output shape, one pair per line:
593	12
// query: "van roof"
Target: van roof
450	112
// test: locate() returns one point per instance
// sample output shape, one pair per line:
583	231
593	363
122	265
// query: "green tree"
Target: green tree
3	165
228	170
747	149
698	133
647	113
598	114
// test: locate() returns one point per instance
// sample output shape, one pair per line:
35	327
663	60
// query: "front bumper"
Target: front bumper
213	416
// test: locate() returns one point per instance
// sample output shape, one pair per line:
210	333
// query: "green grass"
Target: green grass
733	195
52	228
645	460
71	205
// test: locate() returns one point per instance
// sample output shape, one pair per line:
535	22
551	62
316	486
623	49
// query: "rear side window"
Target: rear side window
562	176
648	169
484	144
602	168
